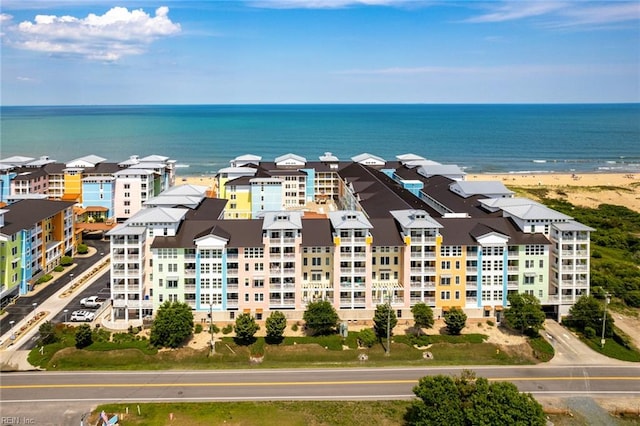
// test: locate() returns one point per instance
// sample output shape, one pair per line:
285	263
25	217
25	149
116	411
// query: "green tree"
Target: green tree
467	400
501	403
172	325
66	260
422	315
321	318
84	337
525	313
438	404
367	337
245	329
47	333
276	324
83	249
384	319
588	312
455	319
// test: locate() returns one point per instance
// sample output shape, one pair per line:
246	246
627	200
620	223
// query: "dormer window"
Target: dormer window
282	218
350	217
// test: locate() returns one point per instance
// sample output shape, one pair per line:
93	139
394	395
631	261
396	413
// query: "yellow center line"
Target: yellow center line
315	383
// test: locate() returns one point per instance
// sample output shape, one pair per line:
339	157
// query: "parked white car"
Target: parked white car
82	316
91	302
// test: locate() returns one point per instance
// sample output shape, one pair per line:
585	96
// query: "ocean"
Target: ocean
203	138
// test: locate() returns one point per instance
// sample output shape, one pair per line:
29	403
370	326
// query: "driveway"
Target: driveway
569	350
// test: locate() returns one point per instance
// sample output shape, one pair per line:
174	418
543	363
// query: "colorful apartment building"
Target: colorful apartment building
101	190
34	235
369	232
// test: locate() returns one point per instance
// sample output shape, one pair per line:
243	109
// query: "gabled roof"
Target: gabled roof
409	219
186	190
17	160
153	158
495	204
490	187
86	161
282	220
409	157
535	212
289	159
369	159
349	219
40	162
158	215
133	171
448	170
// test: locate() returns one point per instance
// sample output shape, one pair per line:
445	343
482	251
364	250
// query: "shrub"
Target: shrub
198	328
490	323
294	327
44	279
66	260
589	332
632	298
367	337
83	336
58	268
227	329
83	249
214	329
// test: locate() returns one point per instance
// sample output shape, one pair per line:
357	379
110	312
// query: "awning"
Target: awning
445	308
487	308
259	311
498	308
246	311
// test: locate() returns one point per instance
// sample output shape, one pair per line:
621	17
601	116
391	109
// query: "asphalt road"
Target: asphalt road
316	384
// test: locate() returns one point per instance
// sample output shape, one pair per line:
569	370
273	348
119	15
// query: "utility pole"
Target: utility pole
388	352
604	318
212	343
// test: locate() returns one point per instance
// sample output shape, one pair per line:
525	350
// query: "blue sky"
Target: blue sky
57	52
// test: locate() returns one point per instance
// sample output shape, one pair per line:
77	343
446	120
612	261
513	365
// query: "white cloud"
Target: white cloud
117	33
562	14
517	10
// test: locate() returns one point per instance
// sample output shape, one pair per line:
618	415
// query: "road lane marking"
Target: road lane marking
313	383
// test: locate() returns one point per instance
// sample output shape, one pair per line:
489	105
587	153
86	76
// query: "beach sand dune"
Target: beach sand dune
581	189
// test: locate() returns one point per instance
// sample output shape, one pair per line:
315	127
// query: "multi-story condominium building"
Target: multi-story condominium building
358	233
34	235
100	189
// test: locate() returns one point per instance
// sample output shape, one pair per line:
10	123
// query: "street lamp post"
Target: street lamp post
13	336
65	314
604	318
34	304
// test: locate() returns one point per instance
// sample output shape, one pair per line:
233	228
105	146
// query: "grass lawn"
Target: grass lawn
286	413
126	352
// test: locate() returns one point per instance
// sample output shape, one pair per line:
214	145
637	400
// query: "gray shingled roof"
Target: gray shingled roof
26	213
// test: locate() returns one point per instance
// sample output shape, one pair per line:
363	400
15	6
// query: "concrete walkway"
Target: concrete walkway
570	350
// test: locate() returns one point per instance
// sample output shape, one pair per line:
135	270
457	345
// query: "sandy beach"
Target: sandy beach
583	189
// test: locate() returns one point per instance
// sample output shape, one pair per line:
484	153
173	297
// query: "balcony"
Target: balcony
132	304
352	271
189	272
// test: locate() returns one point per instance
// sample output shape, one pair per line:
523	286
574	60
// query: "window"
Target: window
457	297
445	295
528	264
445	280
536	249
258	297
446	264
541	263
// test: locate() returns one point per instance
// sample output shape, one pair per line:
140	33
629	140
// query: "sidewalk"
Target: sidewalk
46	311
